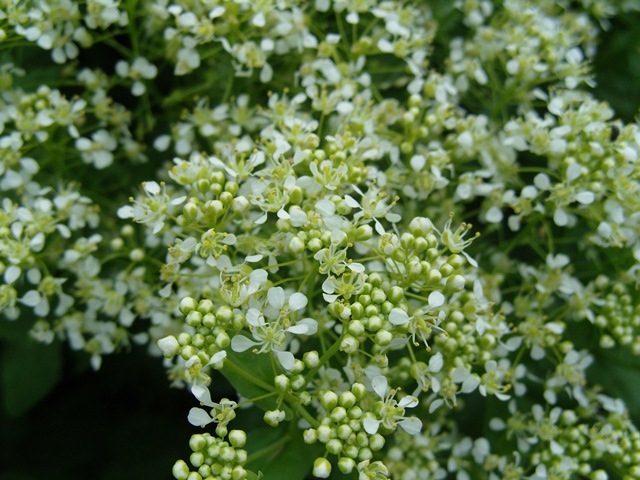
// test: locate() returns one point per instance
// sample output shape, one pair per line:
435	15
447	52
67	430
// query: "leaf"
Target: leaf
252	376
29	371
280	454
618	371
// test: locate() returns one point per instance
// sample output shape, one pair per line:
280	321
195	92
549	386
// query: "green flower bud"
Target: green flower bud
359	390
187	304
311	359
383	338
378	296
237	438
196	459
334	446
328	400
321	468
281	383
310	436
180	470
338	414
347	399
356	328
324	433
274	417
346	465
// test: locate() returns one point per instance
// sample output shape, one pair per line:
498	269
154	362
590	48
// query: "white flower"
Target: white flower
392	412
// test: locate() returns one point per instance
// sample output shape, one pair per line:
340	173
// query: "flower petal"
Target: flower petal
380	385
240	343
411	425
397	316
297	301
199	417
371	425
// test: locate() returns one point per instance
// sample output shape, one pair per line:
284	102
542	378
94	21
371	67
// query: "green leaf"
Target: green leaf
281	456
29	371
252	376
618	371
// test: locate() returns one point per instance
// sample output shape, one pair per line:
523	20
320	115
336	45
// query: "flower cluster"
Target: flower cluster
372	218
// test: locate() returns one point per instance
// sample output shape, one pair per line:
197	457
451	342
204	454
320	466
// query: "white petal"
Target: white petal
436	362
411	425
254	318
470	384
380	385
356	267
408	402
253	258
198	417
287	360
240	343
436	299
217	358
297	301
371	425
352	202
397	316
31	298
435	405
585	198
460	374
202	393
275	297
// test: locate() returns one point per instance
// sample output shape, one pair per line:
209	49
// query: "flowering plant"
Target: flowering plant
405	233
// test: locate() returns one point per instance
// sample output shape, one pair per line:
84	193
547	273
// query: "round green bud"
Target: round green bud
223	340
383	337
221	431
334	446
355	412
321	468
446	270
346	465
324	433
239	473
194	476
187	304
281	382
365	454
328	400
395	294
310	436
356	328
347	399
311	359
204	471
227	454
196	459
359	390
237	438
338	414
376	442
297	382
349	344
344	432
197	442
315	244
180	470
296	245
193	318
274	417
378	296
456	283
169	346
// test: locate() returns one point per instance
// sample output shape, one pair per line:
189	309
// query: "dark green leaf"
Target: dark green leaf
29	371
252	376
